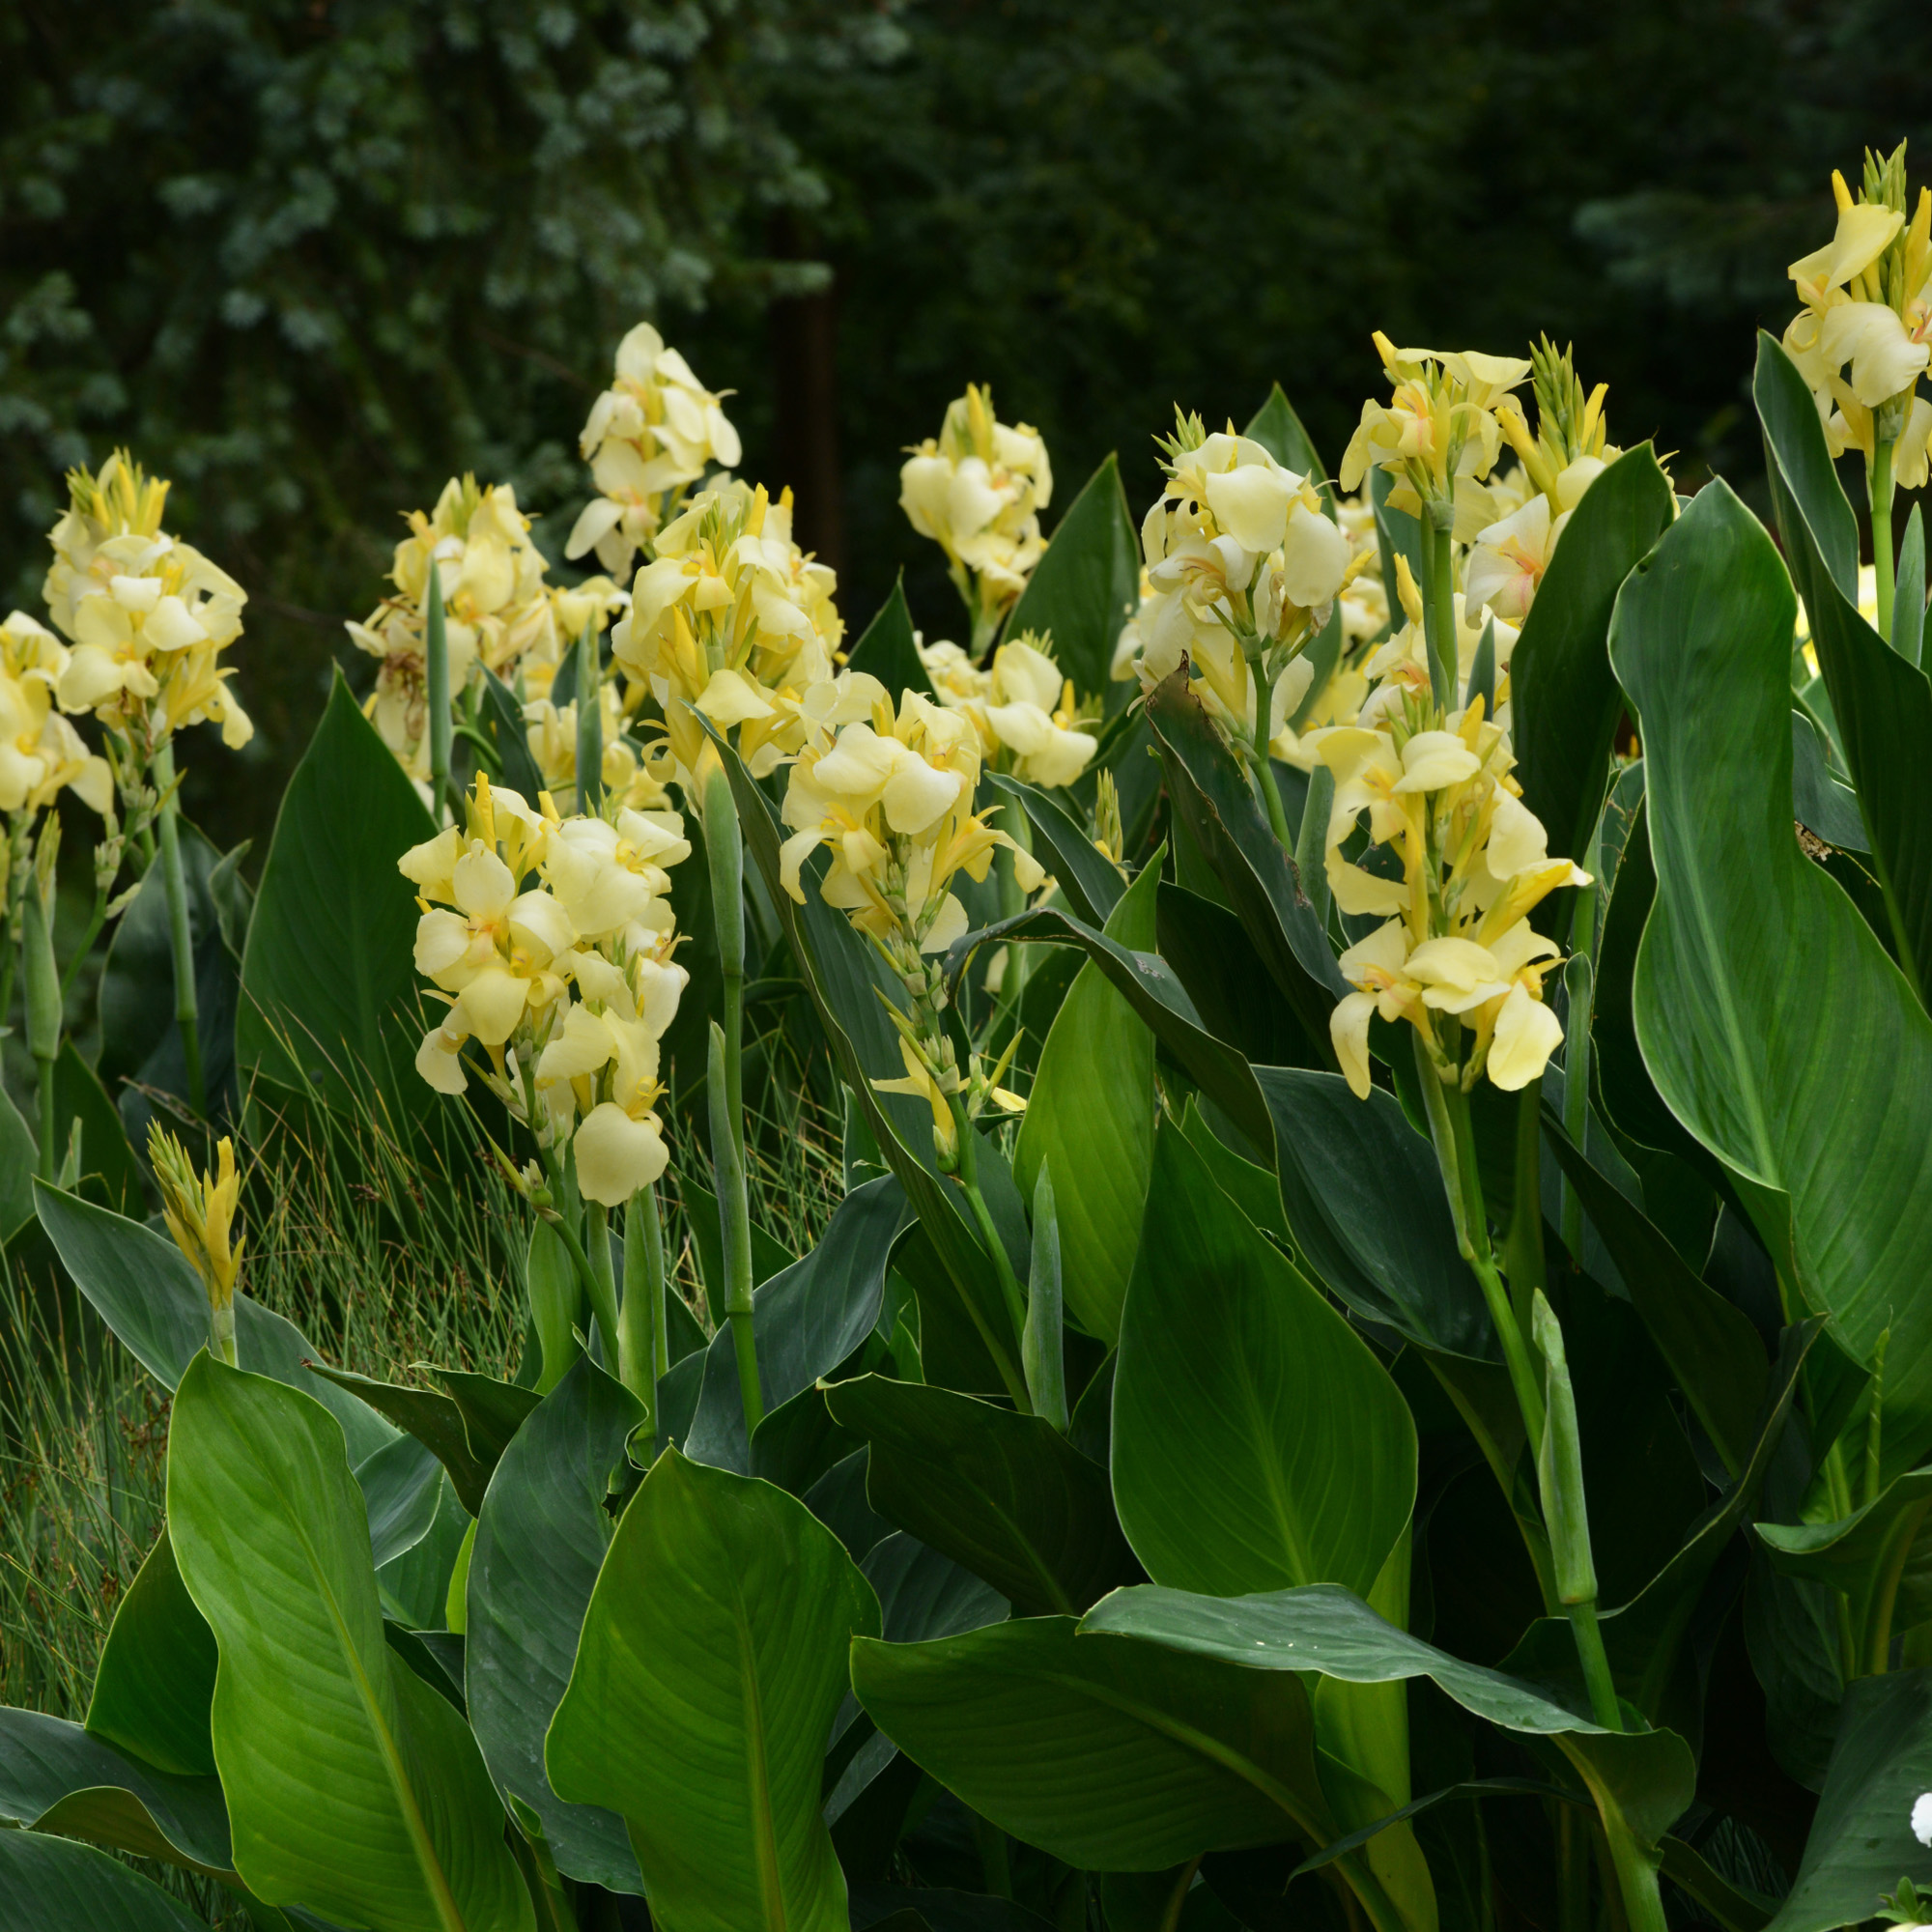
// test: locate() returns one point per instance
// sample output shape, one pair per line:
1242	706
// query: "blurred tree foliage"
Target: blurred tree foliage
313	256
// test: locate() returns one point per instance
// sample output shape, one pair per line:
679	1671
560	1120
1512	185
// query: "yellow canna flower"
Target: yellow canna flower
200	1214
1027	714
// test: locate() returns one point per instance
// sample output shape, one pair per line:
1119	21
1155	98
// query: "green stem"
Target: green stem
48	1165
1522	1253
643	1339
180	934
1259	751
996	1249
1438	601
1596	1663
728	1166
435	667
1636	1870
603	1282
1880	482
222	1334
96	921
1448	1110
591	727
1573	1855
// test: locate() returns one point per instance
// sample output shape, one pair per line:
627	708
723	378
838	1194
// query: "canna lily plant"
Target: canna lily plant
1369	1364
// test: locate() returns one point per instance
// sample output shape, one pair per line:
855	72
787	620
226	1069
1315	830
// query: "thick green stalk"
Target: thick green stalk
1879	479
1259	751
603	1282
1439	602
728	1161
1596	1661
44	1016
442	723
591	727
222	1332
181	935
1012	819
643	1337
1637	1874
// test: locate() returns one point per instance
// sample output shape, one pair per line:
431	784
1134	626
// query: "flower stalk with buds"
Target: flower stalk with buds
199	1210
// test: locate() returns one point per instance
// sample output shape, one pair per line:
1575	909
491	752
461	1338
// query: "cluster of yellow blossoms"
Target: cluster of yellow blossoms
40	752
149	615
649	436
498	610
890	790
729	618
1244	568
1864	334
1456	956
1027	714
977	490
550	938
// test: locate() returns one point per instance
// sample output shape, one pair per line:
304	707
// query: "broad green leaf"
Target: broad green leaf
1090	1119
1771	1019
1232	993
1112	1754
888	650
711	1663
139	1039
436	1421
1212	793
1818	801
1257	1443
540	1541
1005	1495
328	982
156	1678
143	1288
1364	1199
1251	1188
52	1883
1278	430
1090	880
412	1574
18	1150
1880	1556
501	720
1881	700
109	1169
355	1790
402	1486
808	1320
1086	586
1155	994
55	1777
1908	611
1708	1343
1564	701
1861	1842
1648	1776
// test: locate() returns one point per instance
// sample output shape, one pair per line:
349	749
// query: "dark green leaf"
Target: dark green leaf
541	1536
1211	792
109	1171
1090	880
432	1418
328	982
55	1777
1278	430
889	651
1880	1556
1769	1016
1711	1347
51	1883
1005	1495
1232	990
1112	1754
1085	589
1256	1441
501	719
712	1662
1861	1841
1364	1199
1564	701
1818	801
1908	610
806	1319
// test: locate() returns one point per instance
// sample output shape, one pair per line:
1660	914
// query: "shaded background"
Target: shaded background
311	257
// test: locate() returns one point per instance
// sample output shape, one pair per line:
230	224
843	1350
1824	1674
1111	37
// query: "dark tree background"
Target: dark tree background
311	257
